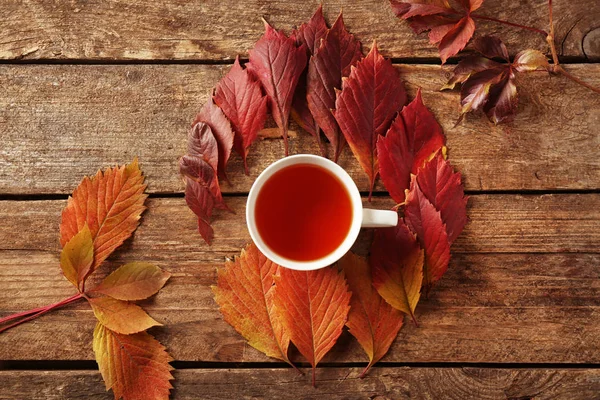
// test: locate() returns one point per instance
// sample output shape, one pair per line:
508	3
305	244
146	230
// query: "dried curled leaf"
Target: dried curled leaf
121	316
397	267
240	97
314	307
412	139
365	107
278	63
332	61
135	367
110	203
372	321
426	222
451	28
244	293
77	257
133	281
443	188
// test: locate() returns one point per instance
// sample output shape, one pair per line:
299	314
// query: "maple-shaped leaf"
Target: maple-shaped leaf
372	321
110	203
314	307
244	293
133	281
450	27
443	188
365	107
77	257
243	103
412	139
332	61
220	126
426	222
397	267
490	85
278	64
121	316
310	34
135	367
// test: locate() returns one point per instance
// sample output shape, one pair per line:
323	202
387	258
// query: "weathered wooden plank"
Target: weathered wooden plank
60	122
498	307
221	29
332	383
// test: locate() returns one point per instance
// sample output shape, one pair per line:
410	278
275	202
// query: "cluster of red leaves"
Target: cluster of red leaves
102	213
273	306
486	84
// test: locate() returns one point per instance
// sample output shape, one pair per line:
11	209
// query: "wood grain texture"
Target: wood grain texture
60	122
332	384
221	29
514	304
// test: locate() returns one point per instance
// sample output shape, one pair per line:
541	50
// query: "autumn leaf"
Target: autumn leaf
310	33
133	281
220	127
135	367
110	203
278	63
490	85
397	267
121	316
332	61
451	28
243	103
443	188
244	293
365	107
372	321
77	257
412	139
314	307
201	201
426	222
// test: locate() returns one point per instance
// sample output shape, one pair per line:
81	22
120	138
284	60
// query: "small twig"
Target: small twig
560	70
500	21
550	36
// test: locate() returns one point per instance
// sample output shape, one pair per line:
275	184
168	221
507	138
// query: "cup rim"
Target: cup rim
346	181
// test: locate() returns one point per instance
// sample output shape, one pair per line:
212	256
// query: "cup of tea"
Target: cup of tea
304	212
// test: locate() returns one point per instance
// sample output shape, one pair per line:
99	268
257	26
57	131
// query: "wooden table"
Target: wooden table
87	84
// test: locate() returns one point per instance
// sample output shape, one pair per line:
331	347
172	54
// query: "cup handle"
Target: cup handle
379	218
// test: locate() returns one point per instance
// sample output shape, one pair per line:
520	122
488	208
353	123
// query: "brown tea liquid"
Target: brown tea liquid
303	212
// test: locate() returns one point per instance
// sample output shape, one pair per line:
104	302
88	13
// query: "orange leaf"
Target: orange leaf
314	306
372	321
133	281
244	292
397	267
121	316
135	367
77	257
110	203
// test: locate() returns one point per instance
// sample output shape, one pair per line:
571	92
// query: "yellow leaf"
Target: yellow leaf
133	281
121	316
135	367
77	256
110	203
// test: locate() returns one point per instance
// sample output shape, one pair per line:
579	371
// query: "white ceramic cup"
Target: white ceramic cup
361	217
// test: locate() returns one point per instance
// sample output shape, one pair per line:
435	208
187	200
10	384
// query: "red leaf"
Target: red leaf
310	33
241	99
397	267
372	321
314	306
366	105
426	222
451	28
337	53
412	139
443	188
221	129
278	64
